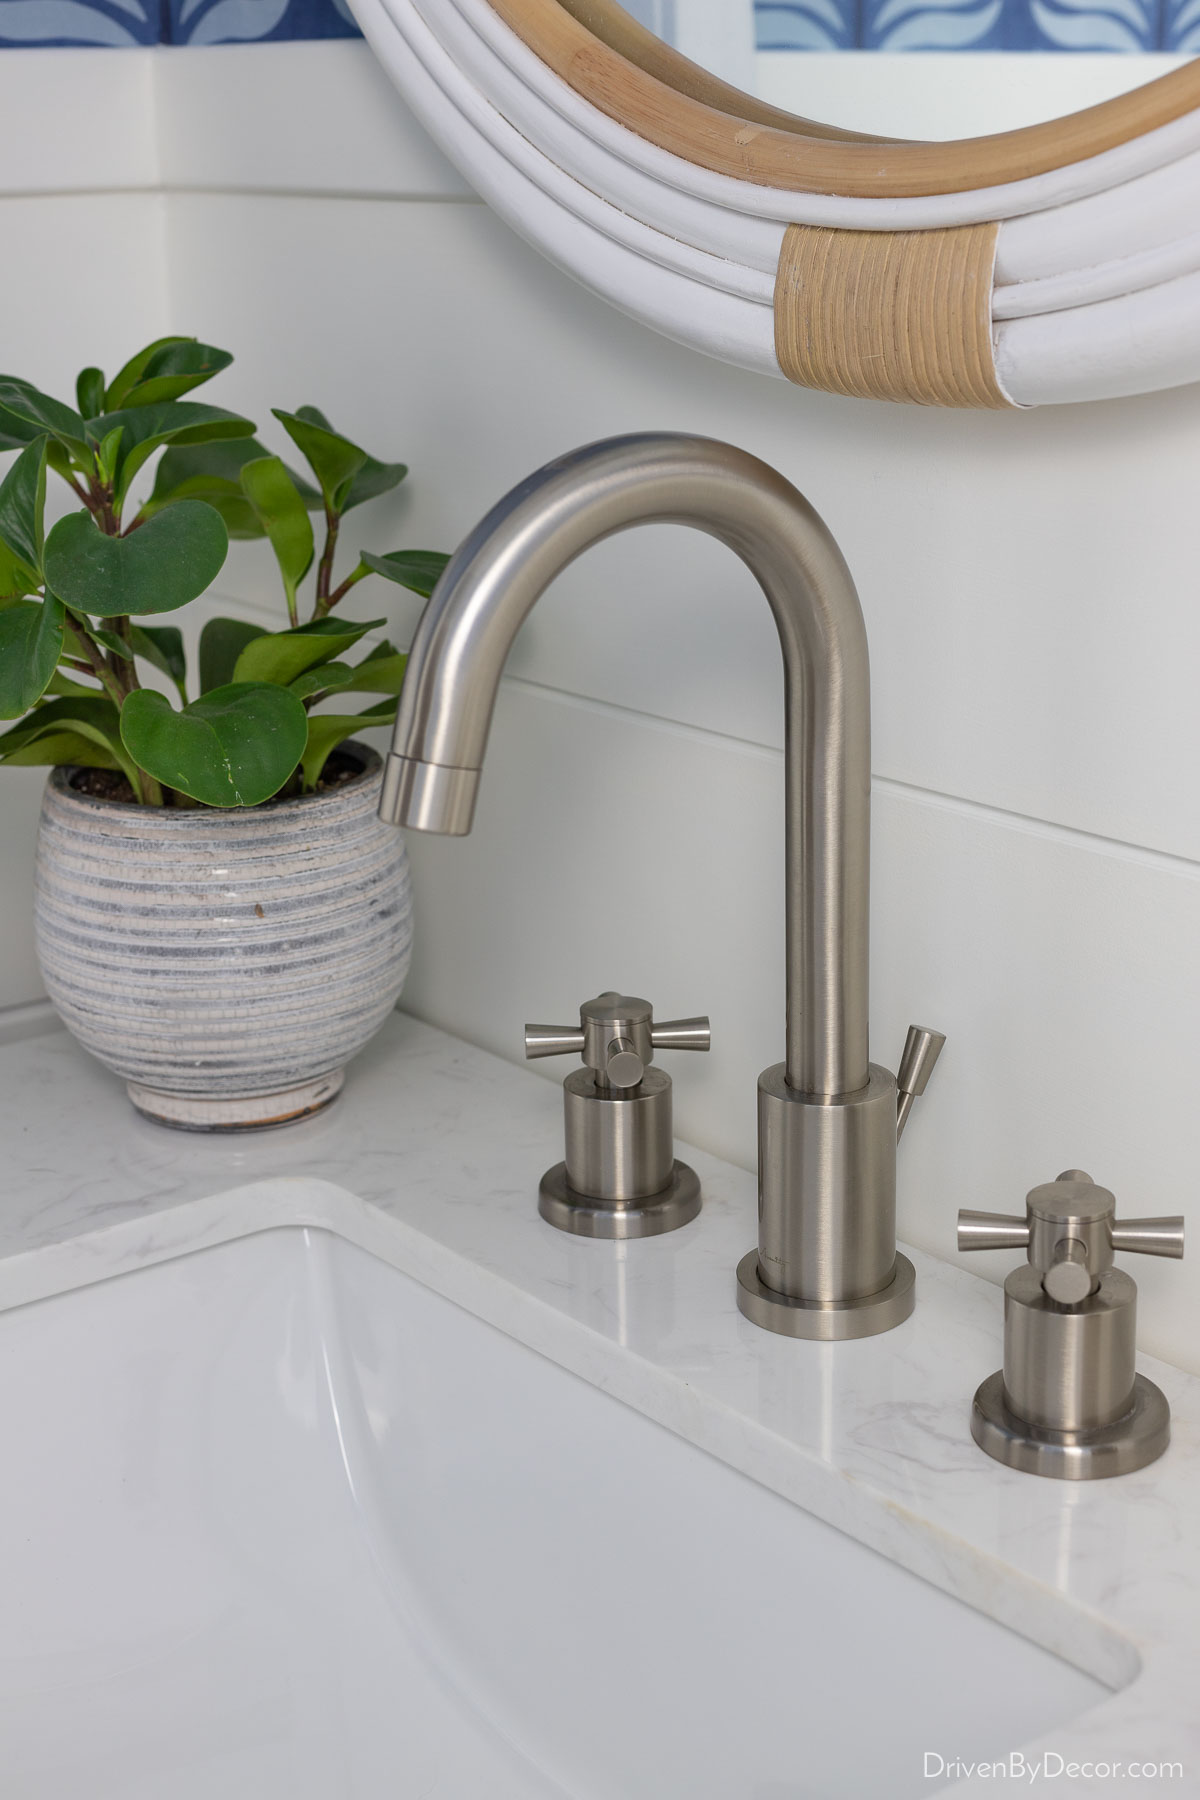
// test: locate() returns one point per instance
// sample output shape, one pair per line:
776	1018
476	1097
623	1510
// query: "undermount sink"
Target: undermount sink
278	1521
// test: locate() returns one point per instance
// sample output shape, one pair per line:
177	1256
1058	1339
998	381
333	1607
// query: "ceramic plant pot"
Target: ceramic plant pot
226	964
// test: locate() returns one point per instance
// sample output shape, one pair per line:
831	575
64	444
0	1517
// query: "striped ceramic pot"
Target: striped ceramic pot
226	964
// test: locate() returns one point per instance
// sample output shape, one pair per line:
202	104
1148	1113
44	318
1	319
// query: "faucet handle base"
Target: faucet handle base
587	1216
1129	1443
827	1321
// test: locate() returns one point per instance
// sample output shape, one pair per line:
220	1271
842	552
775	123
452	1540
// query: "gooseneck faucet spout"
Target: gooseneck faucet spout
514	553
826	1264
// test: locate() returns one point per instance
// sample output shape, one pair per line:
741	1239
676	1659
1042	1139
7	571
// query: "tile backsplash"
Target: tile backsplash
889	25
1061	25
121	24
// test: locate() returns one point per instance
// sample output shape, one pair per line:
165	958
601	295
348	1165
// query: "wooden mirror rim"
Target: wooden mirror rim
623	69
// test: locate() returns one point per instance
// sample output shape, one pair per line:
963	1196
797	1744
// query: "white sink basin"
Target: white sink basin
279	1523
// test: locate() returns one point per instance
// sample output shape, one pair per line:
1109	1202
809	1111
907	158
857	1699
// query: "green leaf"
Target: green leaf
22	505
163	565
333	459
373	479
221	643
212	472
62	684
173	368
326	678
58	458
327	730
95	720
337	627
162	646
235	746
127	377
61	749
226	498
281	513
31	640
281	656
25	414
378	675
107	453
89	392
13	434
109	640
418	570
160	360
147	428
16	579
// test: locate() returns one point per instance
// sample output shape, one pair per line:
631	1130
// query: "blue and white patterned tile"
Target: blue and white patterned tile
806	24
255	21
1122	25
1066	25
1128	26
931	24
115	23
1181	29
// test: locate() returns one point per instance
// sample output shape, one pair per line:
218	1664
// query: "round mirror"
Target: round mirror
914	68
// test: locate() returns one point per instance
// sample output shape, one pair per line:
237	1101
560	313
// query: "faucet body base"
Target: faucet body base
1129	1443
826	1265
826	1189
826	1321
586	1216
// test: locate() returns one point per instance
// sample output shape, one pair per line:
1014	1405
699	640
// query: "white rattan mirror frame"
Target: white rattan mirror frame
630	169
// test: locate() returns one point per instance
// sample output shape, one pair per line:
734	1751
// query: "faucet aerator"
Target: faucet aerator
428	796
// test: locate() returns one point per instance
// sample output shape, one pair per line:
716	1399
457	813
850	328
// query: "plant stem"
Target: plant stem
127	673
325	567
95	661
92	505
103	508
147	791
339	593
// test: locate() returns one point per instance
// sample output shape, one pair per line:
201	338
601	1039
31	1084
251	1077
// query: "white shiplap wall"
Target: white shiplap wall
1030	589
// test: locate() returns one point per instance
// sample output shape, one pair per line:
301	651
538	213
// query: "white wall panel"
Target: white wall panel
85	281
76	121
20	804
317	117
1028	579
616	851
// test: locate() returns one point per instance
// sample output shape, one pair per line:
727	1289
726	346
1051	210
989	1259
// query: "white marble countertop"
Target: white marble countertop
431	1160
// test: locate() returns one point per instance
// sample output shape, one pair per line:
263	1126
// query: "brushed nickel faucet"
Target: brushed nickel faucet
826	1264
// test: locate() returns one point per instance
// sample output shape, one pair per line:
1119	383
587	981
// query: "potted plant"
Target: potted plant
221	918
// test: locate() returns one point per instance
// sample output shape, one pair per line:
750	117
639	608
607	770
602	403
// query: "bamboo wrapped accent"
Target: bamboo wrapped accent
889	315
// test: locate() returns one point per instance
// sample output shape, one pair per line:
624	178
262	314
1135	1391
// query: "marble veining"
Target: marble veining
871	1435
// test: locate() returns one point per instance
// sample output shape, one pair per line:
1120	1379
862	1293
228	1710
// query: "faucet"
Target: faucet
826	1265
